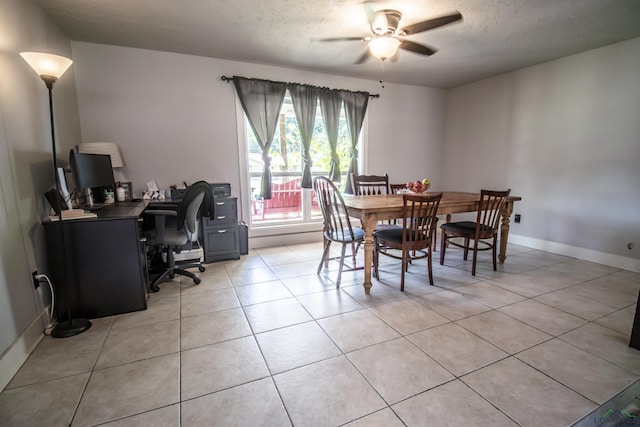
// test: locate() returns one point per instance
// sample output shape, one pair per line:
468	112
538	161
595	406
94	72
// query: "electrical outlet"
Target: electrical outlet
516	218
36	282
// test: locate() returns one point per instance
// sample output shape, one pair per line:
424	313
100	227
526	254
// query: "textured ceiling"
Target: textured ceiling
495	36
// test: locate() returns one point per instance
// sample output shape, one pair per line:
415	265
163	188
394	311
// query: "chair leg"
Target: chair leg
354	250
189	274
405	265
493	250
169	266
443	246
430	269
325	253
153	287
435	235
466	248
376	274
344	250
475	257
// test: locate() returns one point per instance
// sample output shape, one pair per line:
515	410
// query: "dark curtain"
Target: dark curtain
305	101
262	101
355	107
330	103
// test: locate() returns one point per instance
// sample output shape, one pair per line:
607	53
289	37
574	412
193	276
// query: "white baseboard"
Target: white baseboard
284	239
17	353
625	263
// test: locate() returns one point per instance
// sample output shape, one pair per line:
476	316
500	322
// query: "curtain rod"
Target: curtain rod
229	79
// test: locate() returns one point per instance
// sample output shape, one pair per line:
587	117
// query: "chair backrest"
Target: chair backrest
190	205
369	184
490	212
395	188
336	222
419	219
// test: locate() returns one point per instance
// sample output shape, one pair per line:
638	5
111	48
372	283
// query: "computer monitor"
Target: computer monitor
91	171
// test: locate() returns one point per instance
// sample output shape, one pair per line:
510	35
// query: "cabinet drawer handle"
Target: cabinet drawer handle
221	217
222	231
220	203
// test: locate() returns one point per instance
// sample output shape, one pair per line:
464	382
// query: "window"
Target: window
290	204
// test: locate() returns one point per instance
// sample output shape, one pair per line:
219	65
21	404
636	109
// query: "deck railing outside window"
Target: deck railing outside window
288	200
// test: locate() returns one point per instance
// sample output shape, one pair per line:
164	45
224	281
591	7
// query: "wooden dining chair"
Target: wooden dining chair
395	189
370	184
414	238
336	225
483	232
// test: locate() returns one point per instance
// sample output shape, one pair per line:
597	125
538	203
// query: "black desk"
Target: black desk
106	262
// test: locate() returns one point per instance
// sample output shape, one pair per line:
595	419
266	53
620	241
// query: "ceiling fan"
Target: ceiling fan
386	37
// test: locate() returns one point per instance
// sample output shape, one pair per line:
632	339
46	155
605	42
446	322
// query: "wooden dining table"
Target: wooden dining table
371	209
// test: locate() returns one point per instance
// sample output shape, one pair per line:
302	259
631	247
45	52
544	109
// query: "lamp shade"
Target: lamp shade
110	148
384	47
46	64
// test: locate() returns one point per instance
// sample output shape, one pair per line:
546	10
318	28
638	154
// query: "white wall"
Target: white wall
26	171
564	135
176	120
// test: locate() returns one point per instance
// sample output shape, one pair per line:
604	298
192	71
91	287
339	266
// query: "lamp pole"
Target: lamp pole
50	68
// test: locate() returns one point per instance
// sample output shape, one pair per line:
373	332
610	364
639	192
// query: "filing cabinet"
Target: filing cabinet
220	235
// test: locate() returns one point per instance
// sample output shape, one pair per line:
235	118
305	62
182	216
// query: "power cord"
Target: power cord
52	322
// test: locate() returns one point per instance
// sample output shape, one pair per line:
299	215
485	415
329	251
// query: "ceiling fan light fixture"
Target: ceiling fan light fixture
384	47
385	22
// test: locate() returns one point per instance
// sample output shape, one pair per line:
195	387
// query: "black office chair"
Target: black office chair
336	225
174	228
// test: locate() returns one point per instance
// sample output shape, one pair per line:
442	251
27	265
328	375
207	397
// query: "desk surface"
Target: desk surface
122	210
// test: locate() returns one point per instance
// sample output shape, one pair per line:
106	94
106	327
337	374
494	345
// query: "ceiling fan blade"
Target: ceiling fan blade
337	39
363	57
430	24
370	12
416	47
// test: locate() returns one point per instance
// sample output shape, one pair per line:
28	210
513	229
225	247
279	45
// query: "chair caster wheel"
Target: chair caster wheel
201	269
154	289
172	276
196	280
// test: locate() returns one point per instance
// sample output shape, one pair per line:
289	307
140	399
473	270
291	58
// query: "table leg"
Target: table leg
504	231
369	224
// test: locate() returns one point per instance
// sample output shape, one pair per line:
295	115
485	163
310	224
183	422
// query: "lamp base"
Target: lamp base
70	328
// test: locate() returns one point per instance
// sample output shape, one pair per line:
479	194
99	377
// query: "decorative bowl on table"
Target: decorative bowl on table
417	187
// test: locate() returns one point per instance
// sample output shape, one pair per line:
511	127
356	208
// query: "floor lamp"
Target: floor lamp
50	68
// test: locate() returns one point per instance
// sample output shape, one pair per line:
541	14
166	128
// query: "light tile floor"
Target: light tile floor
265	341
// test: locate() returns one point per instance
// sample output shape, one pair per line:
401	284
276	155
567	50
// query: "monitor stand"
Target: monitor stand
88	198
